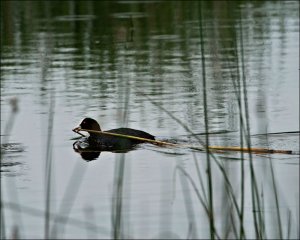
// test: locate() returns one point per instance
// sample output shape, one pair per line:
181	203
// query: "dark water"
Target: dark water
118	62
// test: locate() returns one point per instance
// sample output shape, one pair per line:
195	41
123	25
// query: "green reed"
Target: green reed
5	139
258	221
48	169
206	124
117	199
240	86
117	207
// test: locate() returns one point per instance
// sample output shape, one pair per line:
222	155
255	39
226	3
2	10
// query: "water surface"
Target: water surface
117	62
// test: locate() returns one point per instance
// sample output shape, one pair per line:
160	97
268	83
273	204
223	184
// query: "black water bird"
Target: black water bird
105	142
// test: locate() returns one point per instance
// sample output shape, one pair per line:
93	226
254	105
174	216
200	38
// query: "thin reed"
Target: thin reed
206	124
5	139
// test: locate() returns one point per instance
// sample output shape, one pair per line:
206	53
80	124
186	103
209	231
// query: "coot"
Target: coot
103	142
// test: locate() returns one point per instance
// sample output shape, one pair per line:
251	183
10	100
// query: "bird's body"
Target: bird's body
106	142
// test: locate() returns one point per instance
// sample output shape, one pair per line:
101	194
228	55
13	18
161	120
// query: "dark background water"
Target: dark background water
70	59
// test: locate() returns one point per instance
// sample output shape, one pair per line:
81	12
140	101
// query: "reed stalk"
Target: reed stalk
48	169
205	109
197	148
254	188
59	217
5	139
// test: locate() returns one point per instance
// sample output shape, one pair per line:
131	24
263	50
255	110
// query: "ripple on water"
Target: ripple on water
11	154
